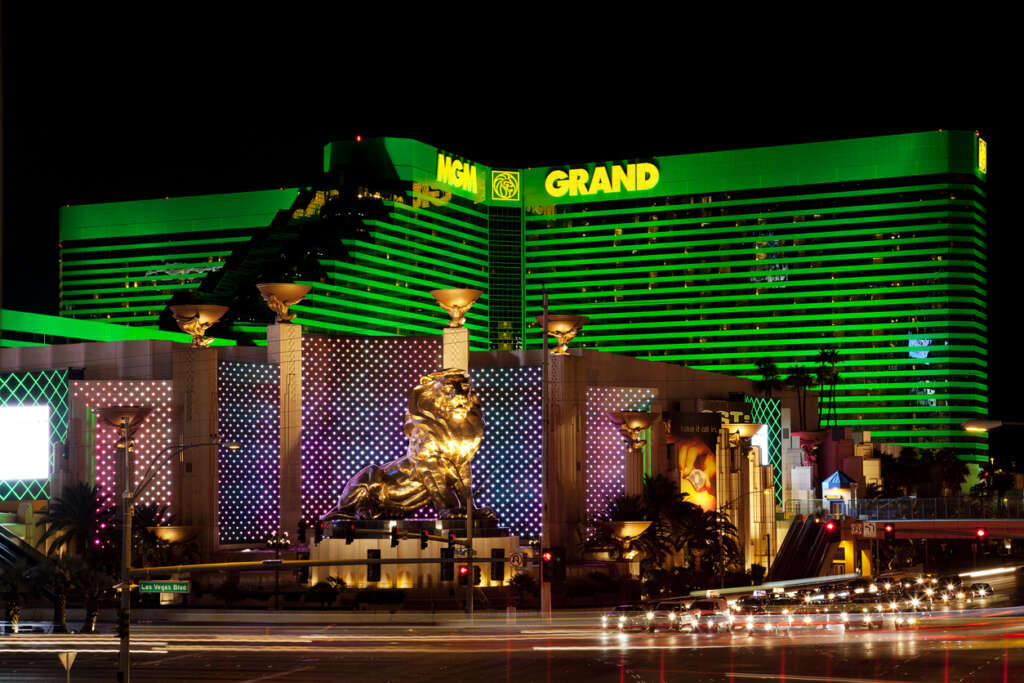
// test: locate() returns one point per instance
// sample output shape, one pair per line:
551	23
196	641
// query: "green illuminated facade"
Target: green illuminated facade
874	248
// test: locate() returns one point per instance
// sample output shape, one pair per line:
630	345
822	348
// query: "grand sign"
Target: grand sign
603	180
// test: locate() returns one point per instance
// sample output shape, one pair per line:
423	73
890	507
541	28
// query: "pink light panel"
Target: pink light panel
354	397
153	437
249	492
605	447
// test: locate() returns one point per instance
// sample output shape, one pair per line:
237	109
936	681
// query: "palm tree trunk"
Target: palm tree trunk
13	615
60	614
92	612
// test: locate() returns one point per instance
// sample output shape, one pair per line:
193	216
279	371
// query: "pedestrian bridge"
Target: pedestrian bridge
952	517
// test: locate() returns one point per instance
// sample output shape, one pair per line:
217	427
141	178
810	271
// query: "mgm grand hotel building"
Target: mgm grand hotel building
873	248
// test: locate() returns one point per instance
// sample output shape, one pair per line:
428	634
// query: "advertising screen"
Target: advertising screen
25	447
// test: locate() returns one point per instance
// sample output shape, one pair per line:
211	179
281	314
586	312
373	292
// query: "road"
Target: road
982	645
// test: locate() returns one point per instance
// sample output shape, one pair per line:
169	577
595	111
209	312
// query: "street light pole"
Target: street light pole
469	541
124	657
124	673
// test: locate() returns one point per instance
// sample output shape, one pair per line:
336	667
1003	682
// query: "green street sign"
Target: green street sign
165	586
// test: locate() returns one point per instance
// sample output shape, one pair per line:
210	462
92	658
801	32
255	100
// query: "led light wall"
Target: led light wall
768	411
152	438
605	448
42	387
507	468
249	494
355	392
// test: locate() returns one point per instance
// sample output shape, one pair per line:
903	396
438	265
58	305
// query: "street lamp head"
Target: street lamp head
978	425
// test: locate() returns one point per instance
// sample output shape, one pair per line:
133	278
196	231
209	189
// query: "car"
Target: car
626	617
669	615
711	614
950	584
980	590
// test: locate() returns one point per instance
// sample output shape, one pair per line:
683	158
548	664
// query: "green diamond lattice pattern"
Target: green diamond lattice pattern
768	411
34	388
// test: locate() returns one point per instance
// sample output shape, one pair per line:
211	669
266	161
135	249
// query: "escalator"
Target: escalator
803	551
13	549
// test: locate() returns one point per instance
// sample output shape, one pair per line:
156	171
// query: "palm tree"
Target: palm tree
799	379
710	535
952	471
76	522
828	377
93	585
770	380
55	577
15	587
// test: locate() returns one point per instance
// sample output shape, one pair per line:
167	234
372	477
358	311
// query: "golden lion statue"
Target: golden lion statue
445	426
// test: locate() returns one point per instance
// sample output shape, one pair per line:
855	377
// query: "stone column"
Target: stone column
564	505
455	349
195	409
284	347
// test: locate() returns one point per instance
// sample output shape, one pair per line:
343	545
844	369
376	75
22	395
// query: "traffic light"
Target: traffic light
980	533
890	533
318	532
476	575
123	624
547	559
558	563
394	536
833	533
302	530
424	539
350	533
463	575
451	539
447	564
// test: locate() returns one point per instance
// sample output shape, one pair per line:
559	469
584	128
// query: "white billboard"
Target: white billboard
24	442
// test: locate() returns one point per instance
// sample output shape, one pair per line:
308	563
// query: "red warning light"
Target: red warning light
981	533
888	528
463	569
830	526
546	557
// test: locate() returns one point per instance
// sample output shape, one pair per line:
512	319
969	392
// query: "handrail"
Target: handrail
1009	506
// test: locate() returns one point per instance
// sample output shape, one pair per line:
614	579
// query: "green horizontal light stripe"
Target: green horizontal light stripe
134	319
697	298
401	241
713	245
712	265
111	290
668	321
129	261
817	342
768	285
398	313
154	245
904	421
9	343
460	208
913	409
428	284
118	299
424	233
479	232
844	234
775	199
352	277
370	320
77	284
972	302
793	276
771	218
430	305
881	398
401	257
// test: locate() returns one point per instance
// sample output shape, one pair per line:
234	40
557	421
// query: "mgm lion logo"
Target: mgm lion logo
445	425
505	185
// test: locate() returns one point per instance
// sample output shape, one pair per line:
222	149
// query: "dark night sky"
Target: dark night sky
102	108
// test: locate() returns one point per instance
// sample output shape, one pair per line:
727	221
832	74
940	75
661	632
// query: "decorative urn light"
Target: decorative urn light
563	328
195	319
632	426
280	296
121	417
456	302
175	534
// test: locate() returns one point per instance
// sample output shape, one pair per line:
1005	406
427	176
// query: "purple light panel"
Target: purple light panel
249	494
152	437
507	468
355	392
605	447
